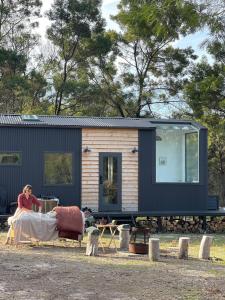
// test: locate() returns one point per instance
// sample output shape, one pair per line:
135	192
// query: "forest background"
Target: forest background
135	70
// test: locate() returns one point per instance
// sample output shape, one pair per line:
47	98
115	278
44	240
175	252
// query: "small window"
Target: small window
10	158
58	169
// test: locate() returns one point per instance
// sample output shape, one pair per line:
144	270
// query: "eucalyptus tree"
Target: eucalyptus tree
146	67
18	18
73	23
205	93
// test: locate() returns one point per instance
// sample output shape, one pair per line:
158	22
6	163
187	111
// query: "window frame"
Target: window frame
11	164
58	185
186	134
154	181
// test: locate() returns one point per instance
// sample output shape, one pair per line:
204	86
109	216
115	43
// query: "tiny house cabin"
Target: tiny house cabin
107	164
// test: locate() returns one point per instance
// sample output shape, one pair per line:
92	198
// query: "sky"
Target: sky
109	7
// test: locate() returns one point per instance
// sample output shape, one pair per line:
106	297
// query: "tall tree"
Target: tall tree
73	24
17	40
205	93
146	67
17	18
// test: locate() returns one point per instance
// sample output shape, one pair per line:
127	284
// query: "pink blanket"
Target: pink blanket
69	219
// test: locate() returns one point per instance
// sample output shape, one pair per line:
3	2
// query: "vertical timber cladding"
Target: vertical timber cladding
110	140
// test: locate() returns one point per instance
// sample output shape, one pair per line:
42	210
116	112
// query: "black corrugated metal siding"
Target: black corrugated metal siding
169	196
32	143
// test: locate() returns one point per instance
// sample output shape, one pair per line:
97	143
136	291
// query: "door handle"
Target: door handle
100	179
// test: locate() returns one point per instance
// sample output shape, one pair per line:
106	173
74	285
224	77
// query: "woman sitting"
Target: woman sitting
26	199
26	224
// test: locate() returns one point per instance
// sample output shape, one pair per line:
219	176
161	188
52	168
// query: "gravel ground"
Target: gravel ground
64	272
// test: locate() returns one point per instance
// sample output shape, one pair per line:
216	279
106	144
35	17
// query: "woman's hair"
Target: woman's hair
27	188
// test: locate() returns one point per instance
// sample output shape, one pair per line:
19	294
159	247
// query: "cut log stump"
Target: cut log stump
124	236
183	247
92	243
204	251
154	251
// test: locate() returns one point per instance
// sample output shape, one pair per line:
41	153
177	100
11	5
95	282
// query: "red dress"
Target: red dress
24	202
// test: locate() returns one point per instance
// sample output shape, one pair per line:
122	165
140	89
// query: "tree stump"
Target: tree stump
204	251
124	236
92	243
154	251
183	247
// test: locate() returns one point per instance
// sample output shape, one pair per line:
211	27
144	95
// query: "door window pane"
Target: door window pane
177	153
10	158
110	180
58	168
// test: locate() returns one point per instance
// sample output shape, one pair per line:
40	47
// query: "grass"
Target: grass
217	249
168	243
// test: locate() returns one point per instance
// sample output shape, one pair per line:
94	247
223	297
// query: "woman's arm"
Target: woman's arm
37	202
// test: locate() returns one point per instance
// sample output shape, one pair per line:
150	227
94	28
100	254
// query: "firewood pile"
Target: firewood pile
216	225
183	225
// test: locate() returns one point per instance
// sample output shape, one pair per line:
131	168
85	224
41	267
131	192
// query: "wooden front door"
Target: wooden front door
110	181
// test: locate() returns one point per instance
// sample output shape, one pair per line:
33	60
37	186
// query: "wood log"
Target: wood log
92	243
183	247
154	251
124	237
204	251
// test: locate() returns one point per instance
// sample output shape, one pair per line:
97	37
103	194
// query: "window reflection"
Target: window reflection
177	153
110	180
58	168
10	158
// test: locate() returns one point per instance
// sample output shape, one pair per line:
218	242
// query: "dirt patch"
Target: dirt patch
58	272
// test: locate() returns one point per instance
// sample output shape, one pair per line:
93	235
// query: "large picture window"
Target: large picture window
58	168
177	153
10	158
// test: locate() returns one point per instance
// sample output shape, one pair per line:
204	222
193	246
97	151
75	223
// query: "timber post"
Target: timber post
92	243
183	247
154	251
124	236
204	251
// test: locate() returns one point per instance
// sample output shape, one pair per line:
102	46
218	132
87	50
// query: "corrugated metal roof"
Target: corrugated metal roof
79	122
64	121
